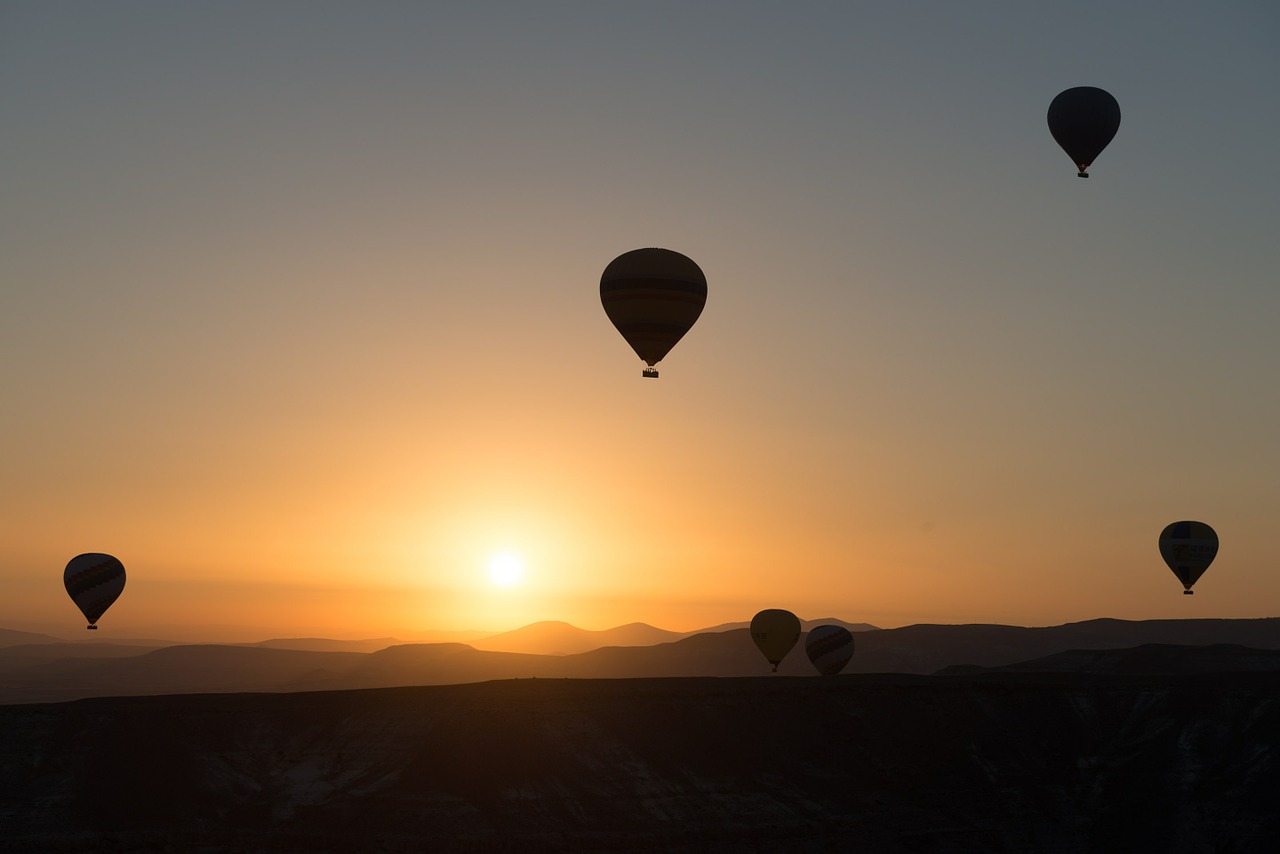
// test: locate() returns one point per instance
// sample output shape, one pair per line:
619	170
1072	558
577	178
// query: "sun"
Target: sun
505	569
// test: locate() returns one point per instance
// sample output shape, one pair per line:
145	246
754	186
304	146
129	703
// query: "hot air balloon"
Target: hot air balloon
1083	120
1188	548
775	631
829	648
653	297
93	581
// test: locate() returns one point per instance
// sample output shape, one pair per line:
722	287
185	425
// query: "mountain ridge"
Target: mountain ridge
25	677
555	637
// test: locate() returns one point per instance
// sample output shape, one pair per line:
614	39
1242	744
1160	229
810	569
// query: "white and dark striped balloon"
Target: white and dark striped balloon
829	648
1188	548
93	582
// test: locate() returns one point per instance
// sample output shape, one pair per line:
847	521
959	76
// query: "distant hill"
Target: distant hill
171	670
928	648
557	638
993	762
1148	659
34	653
13	637
805	626
443	636
328	644
60	673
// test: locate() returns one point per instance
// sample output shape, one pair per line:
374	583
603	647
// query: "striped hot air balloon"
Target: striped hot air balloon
1188	548
653	297
829	648
93	582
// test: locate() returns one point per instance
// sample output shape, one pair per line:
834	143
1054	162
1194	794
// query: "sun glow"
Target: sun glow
506	569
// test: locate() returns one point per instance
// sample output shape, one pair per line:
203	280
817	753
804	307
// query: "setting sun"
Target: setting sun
505	569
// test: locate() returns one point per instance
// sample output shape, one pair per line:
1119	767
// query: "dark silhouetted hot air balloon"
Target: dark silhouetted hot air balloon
1188	548
1083	120
653	297
93	581
829	648
775	632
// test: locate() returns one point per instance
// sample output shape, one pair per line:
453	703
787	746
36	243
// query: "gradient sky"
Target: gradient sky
301	320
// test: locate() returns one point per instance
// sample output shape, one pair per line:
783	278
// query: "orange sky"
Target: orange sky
305	337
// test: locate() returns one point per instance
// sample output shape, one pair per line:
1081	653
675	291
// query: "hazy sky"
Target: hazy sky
301	318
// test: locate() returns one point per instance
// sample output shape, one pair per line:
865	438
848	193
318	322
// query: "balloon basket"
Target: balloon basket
1188	593
1082	174
652	373
92	628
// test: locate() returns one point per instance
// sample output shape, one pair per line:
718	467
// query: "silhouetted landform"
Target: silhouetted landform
444	636
1148	659
929	648
805	626
920	649
33	653
329	644
172	670
992	762
556	638
13	637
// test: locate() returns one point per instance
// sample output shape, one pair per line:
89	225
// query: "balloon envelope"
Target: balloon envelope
829	648
775	632
1188	548
653	297
93	582
1083	120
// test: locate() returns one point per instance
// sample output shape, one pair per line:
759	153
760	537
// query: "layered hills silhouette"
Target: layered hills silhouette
558	638
1146	660
979	762
805	625
13	637
47	672
328	644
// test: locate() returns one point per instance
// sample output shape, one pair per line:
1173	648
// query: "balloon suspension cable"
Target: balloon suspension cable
650	372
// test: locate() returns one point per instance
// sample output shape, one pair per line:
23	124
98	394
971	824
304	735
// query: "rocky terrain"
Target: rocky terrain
1185	760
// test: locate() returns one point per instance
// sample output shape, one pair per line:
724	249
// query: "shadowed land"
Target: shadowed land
991	762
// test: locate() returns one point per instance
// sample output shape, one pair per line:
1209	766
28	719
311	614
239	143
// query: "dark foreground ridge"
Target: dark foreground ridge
982	762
